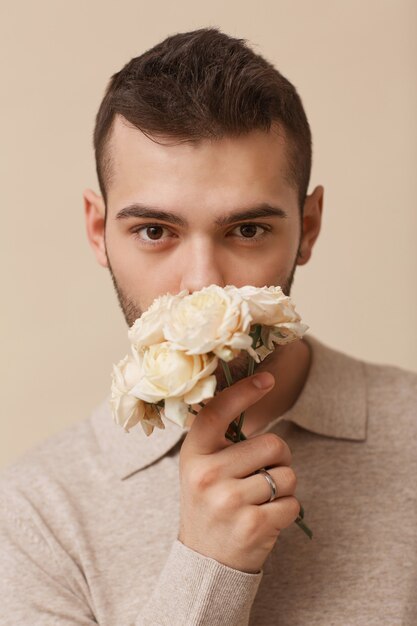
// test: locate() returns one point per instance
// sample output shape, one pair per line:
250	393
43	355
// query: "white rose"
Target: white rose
210	320
128	410
267	305
282	333
175	377
151	419
148	328
276	313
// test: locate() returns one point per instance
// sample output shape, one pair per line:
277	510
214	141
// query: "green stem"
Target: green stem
251	366
227	373
304	527
256	335
239	425
229	380
234	427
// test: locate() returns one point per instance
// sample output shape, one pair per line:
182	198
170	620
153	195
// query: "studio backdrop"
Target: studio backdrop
354	65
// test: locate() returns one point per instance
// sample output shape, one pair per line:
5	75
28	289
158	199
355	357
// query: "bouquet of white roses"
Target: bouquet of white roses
176	346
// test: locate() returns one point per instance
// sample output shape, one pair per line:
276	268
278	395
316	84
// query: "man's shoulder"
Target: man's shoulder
391	394
60	458
382	376
377	374
362	393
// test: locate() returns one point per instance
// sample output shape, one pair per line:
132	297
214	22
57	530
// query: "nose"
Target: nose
202	265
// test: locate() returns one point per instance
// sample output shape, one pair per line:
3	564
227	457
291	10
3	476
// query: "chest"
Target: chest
360	567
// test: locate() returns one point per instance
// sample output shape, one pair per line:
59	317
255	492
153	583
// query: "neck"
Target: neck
290	365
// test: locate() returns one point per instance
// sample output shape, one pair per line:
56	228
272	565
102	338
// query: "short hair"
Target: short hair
204	84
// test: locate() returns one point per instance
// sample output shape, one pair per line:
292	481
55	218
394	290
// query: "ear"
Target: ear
94	219
313	209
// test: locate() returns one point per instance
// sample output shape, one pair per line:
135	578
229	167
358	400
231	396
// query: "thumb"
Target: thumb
207	432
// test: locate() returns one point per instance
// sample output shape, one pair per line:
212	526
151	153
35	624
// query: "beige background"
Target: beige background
354	64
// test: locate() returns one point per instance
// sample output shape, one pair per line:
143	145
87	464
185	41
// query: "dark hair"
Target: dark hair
204	84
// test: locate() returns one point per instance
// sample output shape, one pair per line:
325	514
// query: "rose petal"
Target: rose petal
203	390
176	410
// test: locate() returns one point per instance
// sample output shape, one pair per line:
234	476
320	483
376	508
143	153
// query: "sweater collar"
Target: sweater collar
332	403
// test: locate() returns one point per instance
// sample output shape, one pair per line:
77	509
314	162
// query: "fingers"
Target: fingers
248	456
256	489
282	512
207	432
279	513
267	520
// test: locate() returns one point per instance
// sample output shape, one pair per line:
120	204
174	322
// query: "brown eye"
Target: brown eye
151	234
248	230
154	232
251	233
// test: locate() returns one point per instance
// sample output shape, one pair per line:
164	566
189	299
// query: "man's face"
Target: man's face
202	185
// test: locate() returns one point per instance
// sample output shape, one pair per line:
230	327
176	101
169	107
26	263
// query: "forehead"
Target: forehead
154	168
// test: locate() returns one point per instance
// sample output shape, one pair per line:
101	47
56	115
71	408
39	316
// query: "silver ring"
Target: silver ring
271	483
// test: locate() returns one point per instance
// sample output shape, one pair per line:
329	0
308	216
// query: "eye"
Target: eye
153	232
249	231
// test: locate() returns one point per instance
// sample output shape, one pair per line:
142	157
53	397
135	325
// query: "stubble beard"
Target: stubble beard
239	365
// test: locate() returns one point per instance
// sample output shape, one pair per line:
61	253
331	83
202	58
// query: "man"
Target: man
203	155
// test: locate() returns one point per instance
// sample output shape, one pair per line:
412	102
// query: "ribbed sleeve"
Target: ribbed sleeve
196	590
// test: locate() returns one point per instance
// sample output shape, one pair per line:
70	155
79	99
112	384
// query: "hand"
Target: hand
224	508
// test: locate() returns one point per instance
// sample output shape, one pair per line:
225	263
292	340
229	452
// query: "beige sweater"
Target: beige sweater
89	519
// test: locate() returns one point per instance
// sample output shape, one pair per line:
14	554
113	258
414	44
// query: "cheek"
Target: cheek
285	264
140	277
271	268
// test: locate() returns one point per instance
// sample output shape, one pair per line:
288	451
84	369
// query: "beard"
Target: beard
239	365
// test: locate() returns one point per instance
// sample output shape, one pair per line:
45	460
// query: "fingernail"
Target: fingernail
263	381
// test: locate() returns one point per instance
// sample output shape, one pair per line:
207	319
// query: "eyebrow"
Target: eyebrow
261	210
